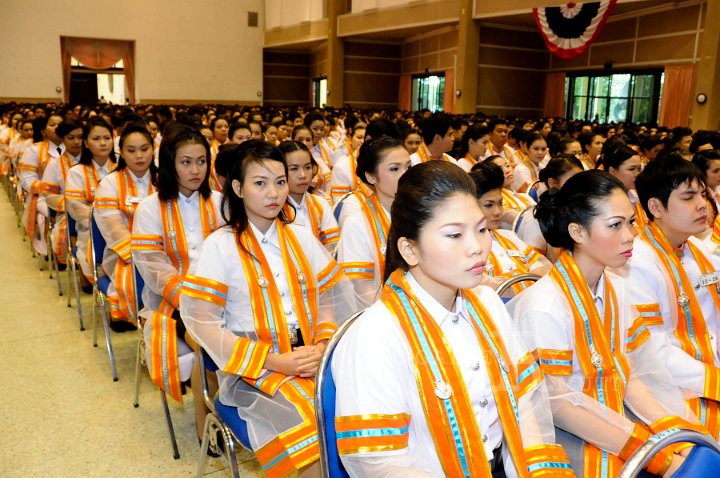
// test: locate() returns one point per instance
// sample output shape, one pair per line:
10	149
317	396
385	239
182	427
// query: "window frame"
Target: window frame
630	98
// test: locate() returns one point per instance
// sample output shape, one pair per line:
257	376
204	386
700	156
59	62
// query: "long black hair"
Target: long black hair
233	206
421	192
167	183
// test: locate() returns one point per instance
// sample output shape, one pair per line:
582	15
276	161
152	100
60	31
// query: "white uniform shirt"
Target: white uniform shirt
648	286
374	373
148	220
357	245
220	261
302	217
522	175
30	158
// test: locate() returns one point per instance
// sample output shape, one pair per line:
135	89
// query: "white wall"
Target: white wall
285	13
184	49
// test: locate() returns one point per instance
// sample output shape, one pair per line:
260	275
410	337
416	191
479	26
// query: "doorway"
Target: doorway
428	92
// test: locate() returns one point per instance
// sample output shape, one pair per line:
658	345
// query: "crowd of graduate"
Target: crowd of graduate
258	231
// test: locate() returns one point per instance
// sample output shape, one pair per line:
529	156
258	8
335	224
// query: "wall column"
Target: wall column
707	75
468	57
335	55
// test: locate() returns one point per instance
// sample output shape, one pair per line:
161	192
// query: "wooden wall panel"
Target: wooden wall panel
286	76
372	74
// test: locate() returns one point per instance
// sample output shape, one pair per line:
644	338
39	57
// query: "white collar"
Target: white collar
271	236
438	312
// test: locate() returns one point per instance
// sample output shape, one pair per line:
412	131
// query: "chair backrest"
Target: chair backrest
71	225
138	286
519	218
325	407
533	190
337	209
514	280
703	460
97	243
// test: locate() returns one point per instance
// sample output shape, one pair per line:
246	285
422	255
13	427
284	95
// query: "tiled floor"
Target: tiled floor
61	415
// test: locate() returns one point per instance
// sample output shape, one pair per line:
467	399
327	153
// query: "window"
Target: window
428	92
319	99
614	97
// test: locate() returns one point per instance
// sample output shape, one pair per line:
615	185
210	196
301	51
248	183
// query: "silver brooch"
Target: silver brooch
442	390
596	359
383	249
172	234
683	300
263	282
301	277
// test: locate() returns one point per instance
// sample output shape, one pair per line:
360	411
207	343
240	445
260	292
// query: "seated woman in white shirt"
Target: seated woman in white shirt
594	347
53	182
308	209
263	301
116	200
364	236
97	160
552	176
509	255
473	146
168	231
433	380
534	150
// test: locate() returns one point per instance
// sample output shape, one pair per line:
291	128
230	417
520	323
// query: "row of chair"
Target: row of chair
223	421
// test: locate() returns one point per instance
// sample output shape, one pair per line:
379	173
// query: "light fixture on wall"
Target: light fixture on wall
458	93
701	98
259	93
58	89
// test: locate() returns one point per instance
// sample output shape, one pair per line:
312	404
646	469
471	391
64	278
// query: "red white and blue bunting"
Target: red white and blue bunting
569	30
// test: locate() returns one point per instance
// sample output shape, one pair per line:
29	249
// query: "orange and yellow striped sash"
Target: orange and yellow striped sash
379	225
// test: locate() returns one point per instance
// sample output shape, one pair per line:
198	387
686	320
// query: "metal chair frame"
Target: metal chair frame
52	260
72	266
99	297
139	361
214	423
518	219
515	279
320	383
650	448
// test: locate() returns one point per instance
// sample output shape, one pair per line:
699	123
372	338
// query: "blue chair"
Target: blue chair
139	285
533	190
519	218
703	460
337	209
330	463
223	419
101	283
73	265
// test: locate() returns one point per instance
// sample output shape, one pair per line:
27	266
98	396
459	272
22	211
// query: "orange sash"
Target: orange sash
164	369
448	410
122	306
516	255
513	201
379	225
43	158
599	350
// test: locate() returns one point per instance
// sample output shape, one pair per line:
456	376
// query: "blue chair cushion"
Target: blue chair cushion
533	194
338	210
231	418
701	461
335	466
103	284
74	251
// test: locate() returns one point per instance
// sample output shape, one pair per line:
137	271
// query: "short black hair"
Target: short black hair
664	175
